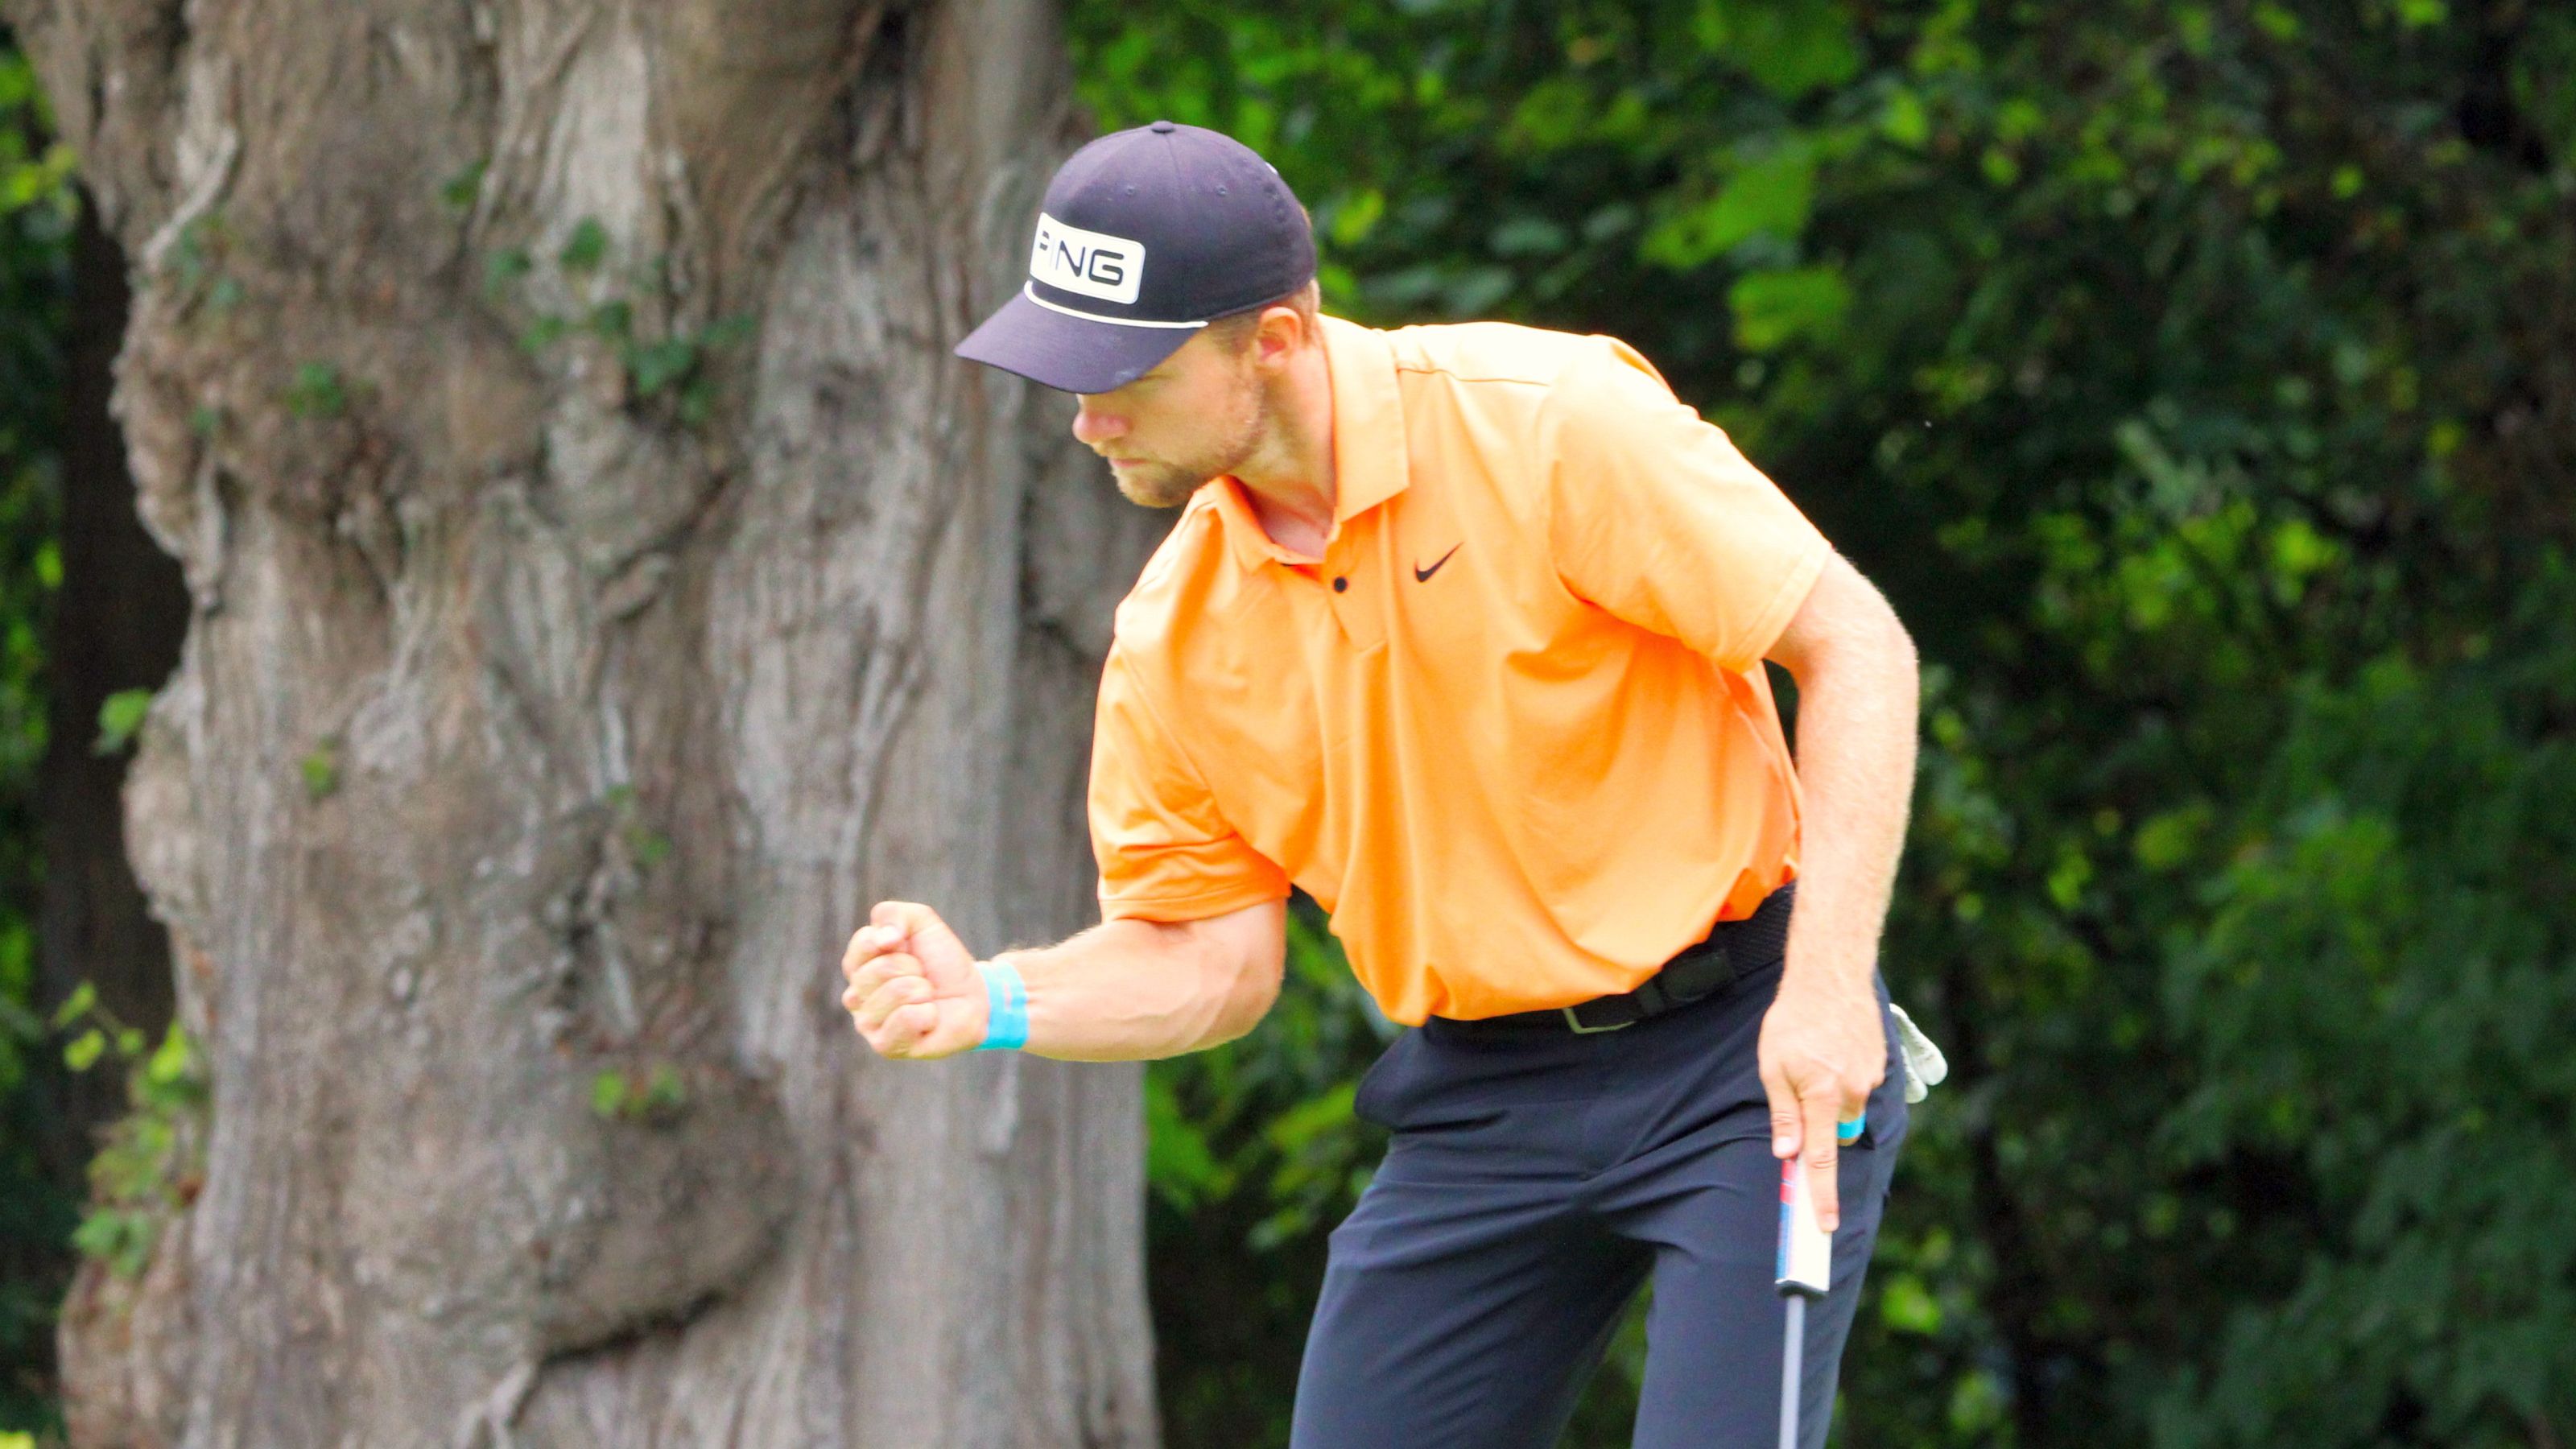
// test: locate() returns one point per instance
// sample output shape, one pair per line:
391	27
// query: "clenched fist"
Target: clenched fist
914	992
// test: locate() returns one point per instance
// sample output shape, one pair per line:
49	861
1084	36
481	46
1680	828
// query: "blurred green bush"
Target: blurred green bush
37	1215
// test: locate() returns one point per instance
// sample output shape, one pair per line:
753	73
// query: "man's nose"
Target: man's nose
1093	426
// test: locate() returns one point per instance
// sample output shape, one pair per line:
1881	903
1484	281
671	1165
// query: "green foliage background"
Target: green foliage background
36	1215
2200	380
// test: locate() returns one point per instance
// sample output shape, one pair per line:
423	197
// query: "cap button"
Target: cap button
1162	128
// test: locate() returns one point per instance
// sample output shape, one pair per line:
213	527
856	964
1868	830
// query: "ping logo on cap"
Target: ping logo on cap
1092	263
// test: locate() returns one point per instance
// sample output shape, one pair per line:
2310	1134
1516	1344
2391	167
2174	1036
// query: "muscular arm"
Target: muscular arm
1822	1046
1129	989
1121	991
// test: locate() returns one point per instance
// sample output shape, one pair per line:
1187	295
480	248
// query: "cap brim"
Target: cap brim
1071	354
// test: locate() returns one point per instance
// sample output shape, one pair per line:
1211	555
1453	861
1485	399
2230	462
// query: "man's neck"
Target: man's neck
1289	479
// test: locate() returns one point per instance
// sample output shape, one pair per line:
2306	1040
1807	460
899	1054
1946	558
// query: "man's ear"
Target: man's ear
1277	336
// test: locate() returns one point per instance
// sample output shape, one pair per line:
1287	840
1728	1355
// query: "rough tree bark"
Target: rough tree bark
603	584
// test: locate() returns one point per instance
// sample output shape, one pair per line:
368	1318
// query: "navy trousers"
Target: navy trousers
1535	1180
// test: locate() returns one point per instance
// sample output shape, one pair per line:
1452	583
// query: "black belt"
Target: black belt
1731	951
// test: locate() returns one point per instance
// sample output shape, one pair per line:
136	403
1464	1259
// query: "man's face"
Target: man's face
1199	414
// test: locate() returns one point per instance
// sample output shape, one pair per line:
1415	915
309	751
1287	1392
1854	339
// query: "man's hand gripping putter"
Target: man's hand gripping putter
1805	1270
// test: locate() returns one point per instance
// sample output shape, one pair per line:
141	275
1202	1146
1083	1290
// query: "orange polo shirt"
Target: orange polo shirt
1512	731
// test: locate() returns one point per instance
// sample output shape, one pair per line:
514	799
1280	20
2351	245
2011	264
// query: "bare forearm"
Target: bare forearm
1126	990
1856	741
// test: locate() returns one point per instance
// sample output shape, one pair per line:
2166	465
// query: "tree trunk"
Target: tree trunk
604	585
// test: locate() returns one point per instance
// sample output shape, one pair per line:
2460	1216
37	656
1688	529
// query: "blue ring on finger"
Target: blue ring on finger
1850	1131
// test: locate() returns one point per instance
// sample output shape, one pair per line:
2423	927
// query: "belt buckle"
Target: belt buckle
1575	1024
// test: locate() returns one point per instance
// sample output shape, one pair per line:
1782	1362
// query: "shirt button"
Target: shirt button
1340	584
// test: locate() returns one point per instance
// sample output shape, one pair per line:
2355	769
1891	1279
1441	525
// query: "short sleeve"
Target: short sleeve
1164	849
1654	516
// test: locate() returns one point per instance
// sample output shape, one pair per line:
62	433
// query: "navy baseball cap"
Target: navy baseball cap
1144	236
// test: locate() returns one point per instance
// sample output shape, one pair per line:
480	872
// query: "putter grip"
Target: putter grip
1806	1263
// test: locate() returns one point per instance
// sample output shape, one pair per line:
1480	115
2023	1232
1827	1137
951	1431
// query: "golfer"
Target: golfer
1461	630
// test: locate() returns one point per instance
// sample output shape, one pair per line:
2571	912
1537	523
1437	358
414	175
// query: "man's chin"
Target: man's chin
1155	487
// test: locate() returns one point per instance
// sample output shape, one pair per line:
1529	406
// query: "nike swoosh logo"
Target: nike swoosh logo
1423	575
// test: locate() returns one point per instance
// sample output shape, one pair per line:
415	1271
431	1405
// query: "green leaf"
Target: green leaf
1774	308
1770	196
1788	47
730	330
170	1061
321	770
585	248
2276	21
1179	1165
664	1091
1904	121
608	1093
1356	217
119	716
505	267
460	190
83	997
83	1051
1553	115
2169	838
542	332
1906	1305
2067	879
1609	220
697	401
1299	1126
120	1237
661	364
316	391
1525	236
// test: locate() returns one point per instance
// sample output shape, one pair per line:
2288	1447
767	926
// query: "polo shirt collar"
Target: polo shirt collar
1369	459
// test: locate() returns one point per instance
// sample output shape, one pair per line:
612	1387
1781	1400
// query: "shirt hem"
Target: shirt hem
1773	621
1196	907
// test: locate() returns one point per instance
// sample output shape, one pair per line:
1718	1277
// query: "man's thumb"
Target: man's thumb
951	971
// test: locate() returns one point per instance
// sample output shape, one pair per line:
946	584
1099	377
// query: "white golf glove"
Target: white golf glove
1924	1064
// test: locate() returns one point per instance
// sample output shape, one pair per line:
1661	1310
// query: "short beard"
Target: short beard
1169	485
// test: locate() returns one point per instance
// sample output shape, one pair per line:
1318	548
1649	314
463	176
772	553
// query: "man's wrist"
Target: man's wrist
1815	973
1824	956
1006	1006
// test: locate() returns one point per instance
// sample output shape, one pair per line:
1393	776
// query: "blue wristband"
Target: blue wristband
1006	1002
